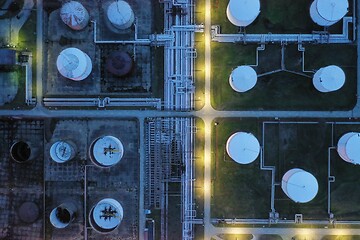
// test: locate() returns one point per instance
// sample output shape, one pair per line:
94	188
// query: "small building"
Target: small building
243	147
242	13
328	12
243	78
329	79
299	185
7	57
348	147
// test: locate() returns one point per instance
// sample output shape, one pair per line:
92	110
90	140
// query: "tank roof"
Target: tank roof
332	10
243	147
243	78
119	63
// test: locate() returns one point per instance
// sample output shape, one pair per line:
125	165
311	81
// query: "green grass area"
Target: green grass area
174	217
302	146
13	9
238	191
345	237
345	191
276	16
270	237
199	232
199	167
157	81
282	91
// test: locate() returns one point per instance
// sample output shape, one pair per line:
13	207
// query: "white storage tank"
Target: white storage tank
106	215
63	215
299	185
243	147
329	79
328	12
74	15
120	14
74	64
349	147
106	151
62	151
243	78
242	13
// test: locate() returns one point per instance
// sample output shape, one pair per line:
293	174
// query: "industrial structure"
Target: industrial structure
119	63
120	14
242	13
63	215
62	151
329	79
106	215
243	78
74	15
106	151
299	185
74	64
348	147
328	12
243	147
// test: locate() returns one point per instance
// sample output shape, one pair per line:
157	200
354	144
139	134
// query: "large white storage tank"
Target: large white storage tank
62	151
243	147
349	147
329	79
106	215
242	13
243	78
299	185
74	64
328	12
74	15
106	151
120	14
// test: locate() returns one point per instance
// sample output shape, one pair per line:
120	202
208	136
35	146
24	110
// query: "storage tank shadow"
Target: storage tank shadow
24	151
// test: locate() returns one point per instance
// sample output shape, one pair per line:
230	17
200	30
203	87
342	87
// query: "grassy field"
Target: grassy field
276	16
302	146
238	191
282	91
199	168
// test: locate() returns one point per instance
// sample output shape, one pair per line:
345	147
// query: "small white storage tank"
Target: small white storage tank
243	78
74	15
106	151
106	215
328	12
349	147
242	13
299	185
74	64
243	147
62	151
120	14
329	79
63	215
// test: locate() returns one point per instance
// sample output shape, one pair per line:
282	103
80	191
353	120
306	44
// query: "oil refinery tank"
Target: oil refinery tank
243	147
328	12
75	15
28	212
62	151
74	64
120	14
24	151
349	147
242	13
106	151
119	63
106	215
243	78
299	185
63	215
329	79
